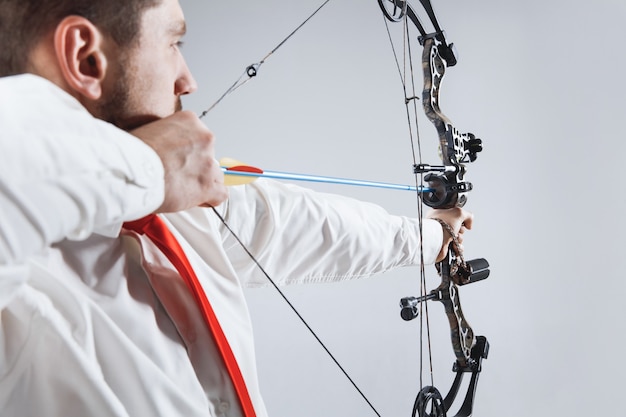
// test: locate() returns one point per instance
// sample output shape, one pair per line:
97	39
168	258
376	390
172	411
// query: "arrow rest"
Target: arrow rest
446	191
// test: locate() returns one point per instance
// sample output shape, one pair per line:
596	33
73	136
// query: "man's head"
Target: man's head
120	58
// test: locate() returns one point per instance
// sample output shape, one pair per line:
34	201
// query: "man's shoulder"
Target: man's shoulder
34	92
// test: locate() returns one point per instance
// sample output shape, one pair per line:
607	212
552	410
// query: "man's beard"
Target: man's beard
114	105
118	107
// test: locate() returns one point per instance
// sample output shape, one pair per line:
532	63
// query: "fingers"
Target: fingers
467	221
216	192
186	146
464	228
458	221
456	217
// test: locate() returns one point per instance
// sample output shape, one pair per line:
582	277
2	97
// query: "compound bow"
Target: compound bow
449	189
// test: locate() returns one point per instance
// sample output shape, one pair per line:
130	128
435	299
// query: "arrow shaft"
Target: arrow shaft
328	180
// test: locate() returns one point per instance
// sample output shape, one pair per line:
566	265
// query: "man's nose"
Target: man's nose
185	83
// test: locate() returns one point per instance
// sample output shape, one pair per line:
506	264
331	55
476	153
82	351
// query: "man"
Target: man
95	319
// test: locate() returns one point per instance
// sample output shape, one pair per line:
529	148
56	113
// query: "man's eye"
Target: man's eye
179	44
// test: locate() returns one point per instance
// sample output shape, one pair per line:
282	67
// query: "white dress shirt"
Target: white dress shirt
95	321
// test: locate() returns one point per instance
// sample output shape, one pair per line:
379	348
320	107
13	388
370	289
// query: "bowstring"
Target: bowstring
294	309
244	78
252	69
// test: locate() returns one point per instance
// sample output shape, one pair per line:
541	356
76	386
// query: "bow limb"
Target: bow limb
456	148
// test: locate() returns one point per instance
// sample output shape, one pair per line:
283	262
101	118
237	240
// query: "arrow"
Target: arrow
237	173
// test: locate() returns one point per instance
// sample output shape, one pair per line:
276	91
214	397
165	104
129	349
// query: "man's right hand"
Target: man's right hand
458	219
193	176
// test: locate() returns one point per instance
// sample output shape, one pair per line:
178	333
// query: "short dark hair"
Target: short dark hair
24	22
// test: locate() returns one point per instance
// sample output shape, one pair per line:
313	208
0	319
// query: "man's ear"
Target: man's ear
79	49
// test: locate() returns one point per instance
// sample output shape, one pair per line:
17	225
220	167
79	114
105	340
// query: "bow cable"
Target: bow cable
410	100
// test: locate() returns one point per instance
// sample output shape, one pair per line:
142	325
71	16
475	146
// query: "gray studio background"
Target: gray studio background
542	83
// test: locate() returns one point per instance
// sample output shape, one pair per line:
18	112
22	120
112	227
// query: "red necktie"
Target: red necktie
153	227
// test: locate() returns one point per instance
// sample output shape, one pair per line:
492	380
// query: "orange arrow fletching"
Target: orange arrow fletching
237	173
245	168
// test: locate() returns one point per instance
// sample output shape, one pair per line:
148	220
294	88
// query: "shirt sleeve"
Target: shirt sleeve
63	173
299	235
